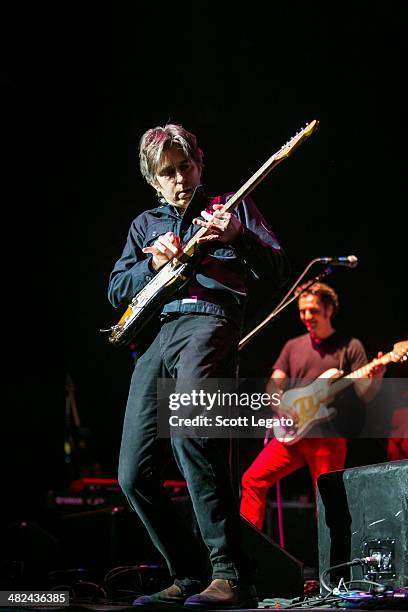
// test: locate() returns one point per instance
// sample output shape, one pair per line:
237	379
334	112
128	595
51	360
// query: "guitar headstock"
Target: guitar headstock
400	351
297	139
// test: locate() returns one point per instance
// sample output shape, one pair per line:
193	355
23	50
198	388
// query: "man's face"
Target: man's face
314	315
177	177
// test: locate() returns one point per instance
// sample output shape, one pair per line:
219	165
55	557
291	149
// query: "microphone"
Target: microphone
351	261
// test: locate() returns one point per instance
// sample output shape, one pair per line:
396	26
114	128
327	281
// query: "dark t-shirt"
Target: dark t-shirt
303	360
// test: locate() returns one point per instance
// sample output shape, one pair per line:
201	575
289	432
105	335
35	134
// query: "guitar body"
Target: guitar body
170	279
308	405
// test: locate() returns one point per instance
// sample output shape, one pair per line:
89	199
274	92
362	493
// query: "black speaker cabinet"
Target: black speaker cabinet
364	512
278	573
299	528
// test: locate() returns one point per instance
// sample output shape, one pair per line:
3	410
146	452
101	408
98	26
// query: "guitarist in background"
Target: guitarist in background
198	338
305	358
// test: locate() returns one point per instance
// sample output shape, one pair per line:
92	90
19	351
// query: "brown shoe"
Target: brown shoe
172	597
225	594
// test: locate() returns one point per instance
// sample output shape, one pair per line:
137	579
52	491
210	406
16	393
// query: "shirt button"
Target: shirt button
148	277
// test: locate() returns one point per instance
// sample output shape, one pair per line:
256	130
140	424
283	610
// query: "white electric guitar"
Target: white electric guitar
310	404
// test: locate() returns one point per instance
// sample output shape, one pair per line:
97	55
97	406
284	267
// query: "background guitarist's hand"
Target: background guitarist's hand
222	226
378	369
164	248
275	387
367	388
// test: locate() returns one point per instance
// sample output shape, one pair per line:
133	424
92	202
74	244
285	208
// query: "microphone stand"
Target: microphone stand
286	300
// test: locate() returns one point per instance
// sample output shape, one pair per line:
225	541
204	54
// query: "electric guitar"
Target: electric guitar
310	404
179	270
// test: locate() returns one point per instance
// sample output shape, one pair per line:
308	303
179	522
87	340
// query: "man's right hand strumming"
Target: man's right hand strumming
164	248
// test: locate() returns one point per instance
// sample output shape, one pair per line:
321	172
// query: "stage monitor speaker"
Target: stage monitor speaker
299	529
278	573
363	512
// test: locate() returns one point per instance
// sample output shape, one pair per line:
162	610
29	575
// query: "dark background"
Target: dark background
81	83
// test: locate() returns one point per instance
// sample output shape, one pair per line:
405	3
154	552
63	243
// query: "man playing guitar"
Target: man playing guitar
300	362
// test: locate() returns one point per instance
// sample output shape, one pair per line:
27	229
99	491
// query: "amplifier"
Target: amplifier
363	512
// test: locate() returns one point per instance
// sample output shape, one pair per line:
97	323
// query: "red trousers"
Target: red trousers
277	460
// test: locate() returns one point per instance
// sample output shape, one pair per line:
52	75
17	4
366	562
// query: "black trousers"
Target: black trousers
188	347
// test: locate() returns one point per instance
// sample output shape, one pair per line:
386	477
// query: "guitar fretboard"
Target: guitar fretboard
237	198
365	370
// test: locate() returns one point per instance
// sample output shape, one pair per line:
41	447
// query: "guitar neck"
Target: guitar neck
342	383
263	171
245	190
